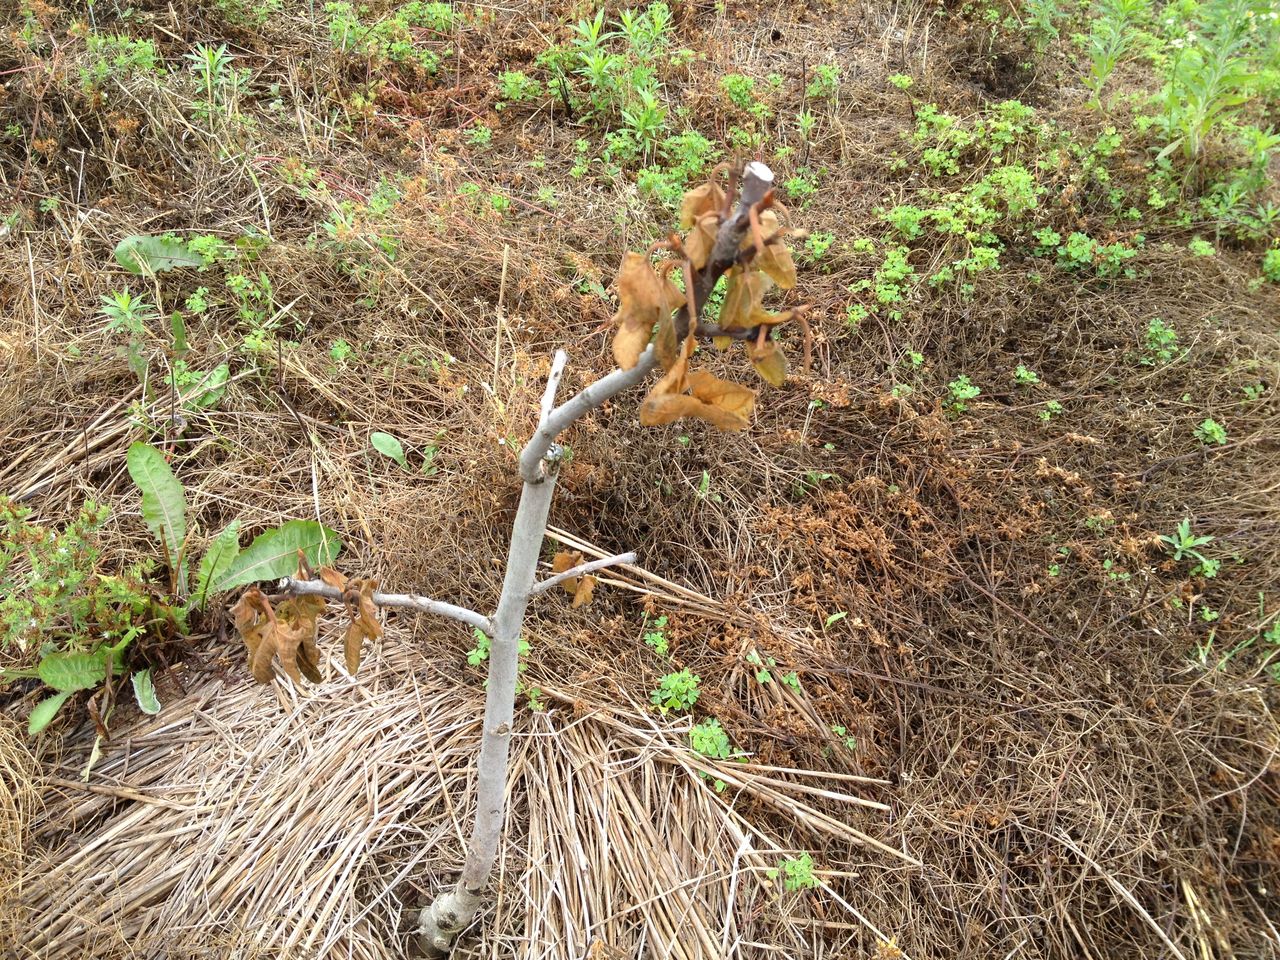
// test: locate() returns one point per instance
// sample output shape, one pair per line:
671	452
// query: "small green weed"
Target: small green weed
825	83
796	873
676	691
1271	265
1024	376
960	391
656	637
1160	344
1210	432
514	86
1185	544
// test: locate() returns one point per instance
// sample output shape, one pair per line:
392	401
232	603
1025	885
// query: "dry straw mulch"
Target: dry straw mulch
259	821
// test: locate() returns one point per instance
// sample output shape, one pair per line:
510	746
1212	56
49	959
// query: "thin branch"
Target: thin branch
581	569
553	384
406	600
578	406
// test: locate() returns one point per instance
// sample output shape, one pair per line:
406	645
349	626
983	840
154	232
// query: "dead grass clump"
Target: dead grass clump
19	804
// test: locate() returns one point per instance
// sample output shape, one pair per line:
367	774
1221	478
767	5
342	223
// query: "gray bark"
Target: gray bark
409	601
453	911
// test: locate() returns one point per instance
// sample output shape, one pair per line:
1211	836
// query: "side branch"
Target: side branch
578	406
407	601
580	570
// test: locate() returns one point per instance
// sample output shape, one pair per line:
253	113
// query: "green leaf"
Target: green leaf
163	504
179	328
216	561
147	255
144	691
274	554
45	711
69	672
389	446
214	386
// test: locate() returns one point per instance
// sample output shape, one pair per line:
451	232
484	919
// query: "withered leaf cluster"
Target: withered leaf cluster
288	631
580	588
649	302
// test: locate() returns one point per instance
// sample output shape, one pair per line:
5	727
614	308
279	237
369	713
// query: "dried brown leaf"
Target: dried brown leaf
641	297
701	240
671	407
742	296
725	405
732	398
774	259
699	202
364	623
583	590
562	561
777	264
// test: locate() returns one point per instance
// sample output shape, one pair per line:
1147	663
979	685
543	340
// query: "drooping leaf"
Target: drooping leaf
674	381
670	407
164	504
665	344
580	588
217	559
725	405
273	554
701	240
699	202
288	633
144	691
742	296
641	299
732	398
770	363
774	256
297	628
389	446
364	624
69	672
45	711
145	255
628	343
777	264
584	591
254	620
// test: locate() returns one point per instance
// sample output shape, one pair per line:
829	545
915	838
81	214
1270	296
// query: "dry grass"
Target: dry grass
1063	777
334	811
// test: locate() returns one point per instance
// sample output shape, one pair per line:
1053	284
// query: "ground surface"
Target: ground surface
956	606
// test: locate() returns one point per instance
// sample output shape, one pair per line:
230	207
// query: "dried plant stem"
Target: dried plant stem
452	911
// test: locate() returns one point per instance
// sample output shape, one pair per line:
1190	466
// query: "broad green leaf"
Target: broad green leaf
274	554
144	691
45	711
163	503
216	561
147	255
389	446
69	672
